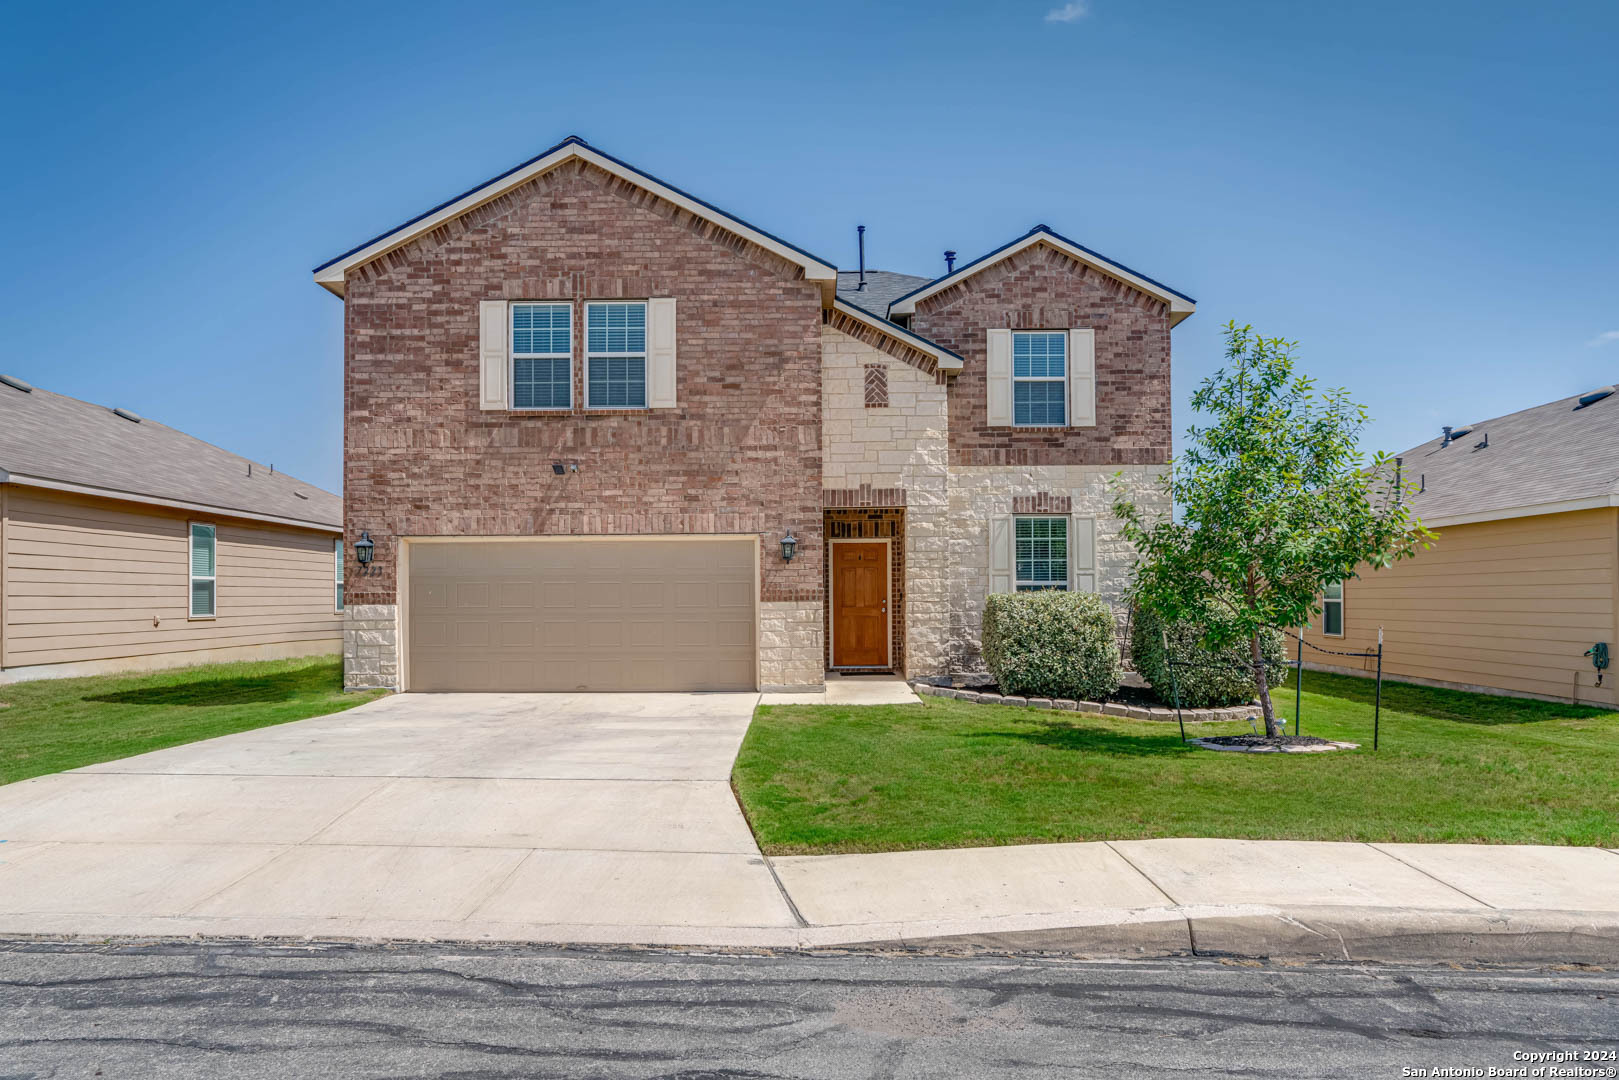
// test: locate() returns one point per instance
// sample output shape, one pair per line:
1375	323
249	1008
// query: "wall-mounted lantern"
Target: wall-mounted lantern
789	546
363	550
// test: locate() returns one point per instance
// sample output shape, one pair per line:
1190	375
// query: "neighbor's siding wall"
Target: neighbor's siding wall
1500	605
90	579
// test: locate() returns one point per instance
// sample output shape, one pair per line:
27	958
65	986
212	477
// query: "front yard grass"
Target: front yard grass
56	724
1453	767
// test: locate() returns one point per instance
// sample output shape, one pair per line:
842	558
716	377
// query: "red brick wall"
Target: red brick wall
1042	289
741	453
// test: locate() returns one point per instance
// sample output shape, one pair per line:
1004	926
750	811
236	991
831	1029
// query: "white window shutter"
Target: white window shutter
1082	378
998	372
1001	555
660	353
1082	553
494	359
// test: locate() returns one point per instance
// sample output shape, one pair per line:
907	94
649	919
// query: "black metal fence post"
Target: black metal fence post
1298	685
1377	709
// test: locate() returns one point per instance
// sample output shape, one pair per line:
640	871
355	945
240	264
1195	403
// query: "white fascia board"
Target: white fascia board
1595	502
1179	307
173	504
331	277
947	361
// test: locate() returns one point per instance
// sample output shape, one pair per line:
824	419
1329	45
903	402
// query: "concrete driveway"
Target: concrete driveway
443	815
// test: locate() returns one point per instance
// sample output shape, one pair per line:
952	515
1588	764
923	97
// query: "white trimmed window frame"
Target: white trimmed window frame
337	573
1022	584
590	354
1329	602
192	577
1067	370
513	356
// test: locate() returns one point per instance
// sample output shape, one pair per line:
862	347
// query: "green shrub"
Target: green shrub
1207	679
1052	644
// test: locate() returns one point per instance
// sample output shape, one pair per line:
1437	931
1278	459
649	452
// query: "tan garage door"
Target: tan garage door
582	614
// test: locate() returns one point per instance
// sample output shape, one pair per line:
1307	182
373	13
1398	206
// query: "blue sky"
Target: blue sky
1423	194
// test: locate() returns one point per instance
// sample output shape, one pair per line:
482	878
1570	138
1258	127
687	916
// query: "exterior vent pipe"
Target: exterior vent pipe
861	231
950	262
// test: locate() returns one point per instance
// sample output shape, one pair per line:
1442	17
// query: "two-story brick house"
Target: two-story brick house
584	410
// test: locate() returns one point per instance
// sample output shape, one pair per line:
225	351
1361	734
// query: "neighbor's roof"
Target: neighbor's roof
330	273
51	441
1545	460
1180	305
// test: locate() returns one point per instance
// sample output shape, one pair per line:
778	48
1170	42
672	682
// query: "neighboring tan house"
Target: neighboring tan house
125	544
1523	579
586	409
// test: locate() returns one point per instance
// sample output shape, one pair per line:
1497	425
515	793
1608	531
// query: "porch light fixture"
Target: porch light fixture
789	546
363	548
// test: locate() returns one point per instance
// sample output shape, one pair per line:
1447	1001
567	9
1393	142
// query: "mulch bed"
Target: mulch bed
1126	695
1262	740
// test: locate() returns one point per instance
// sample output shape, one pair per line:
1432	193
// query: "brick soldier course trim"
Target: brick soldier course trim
864	495
1042	503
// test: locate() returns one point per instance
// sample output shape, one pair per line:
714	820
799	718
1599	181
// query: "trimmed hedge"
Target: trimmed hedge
1052	644
1214	679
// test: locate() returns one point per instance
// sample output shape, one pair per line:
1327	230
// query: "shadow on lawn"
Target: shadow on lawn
282	686
1458	706
1066	735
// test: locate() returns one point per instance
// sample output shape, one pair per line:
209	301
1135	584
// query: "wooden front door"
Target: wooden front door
859	604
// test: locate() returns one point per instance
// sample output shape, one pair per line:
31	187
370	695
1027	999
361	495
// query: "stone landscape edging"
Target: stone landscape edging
1100	708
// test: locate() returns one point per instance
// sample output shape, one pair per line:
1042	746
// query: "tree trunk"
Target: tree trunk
1264	687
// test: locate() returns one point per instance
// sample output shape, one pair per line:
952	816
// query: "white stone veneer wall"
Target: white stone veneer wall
978	493
370	646
790	649
904	445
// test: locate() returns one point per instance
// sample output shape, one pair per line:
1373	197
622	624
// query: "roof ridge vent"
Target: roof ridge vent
133	418
1595	396
16	383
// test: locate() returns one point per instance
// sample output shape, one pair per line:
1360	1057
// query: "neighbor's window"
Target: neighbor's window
615	356
1332	610
337	554
1040	379
203	581
542	356
1042	553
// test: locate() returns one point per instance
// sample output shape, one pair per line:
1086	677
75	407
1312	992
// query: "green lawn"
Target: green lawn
1453	767
57	724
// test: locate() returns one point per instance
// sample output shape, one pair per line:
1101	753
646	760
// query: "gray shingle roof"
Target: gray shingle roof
52	437
1552	453
882	288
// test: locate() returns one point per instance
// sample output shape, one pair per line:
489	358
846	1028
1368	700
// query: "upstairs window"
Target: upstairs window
1040	379
1332	610
203	572
1041	553
615	355
542	356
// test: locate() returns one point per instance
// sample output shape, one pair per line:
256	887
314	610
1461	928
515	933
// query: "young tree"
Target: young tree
1275	502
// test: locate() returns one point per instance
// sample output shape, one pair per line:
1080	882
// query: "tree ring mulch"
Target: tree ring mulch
1263	744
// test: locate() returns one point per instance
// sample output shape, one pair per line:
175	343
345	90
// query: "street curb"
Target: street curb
1386	935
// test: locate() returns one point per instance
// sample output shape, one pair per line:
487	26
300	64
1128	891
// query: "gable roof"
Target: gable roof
54	441
1545	460
949	362
1180	305
882	288
330	273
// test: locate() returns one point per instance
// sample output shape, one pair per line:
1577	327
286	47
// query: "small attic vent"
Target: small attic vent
1595	396
127	415
16	383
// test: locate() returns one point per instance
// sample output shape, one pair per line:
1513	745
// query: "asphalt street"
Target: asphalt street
208	1011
